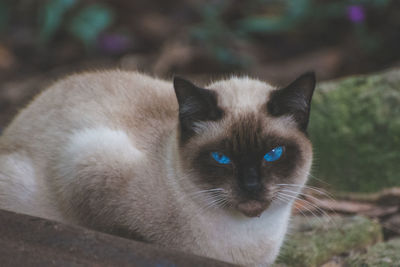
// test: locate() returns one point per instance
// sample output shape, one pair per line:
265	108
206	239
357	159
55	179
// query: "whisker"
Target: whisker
319	210
298	209
201	193
214	203
209	198
312	188
308	196
225	203
304	200
319	180
308	203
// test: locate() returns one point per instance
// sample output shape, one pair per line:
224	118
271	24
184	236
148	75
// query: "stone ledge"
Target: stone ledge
30	241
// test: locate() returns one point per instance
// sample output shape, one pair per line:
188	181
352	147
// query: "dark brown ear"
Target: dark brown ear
295	100
195	104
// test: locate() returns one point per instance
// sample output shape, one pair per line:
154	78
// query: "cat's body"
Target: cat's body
107	151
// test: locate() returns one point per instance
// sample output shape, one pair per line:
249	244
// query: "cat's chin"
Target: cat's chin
252	208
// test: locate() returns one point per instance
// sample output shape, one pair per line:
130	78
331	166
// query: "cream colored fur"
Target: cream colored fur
101	150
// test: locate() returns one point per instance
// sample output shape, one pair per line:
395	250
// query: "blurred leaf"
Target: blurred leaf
265	24
294	12
370	2
4	15
370	42
298	8
90	22
51	16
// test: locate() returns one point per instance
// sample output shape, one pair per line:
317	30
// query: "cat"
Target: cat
181	166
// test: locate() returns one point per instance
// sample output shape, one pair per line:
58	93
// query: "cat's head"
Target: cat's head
241	140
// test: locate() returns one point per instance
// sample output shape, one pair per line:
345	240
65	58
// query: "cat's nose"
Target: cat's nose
250	181
252	185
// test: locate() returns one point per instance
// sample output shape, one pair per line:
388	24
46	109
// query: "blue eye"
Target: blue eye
274	154
220	158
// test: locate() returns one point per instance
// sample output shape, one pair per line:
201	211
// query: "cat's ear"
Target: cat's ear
294	100
195	104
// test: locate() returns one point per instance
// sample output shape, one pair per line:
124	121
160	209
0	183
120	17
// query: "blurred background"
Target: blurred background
275	39
355	124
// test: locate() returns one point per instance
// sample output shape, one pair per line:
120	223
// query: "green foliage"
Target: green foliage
215	34
85	23
293	13
51	17
383	255
319	239
4	15
89	22
267	17
355	129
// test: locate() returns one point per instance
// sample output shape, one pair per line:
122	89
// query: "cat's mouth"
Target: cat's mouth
252	208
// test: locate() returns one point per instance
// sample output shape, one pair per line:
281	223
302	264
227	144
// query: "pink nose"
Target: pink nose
252	208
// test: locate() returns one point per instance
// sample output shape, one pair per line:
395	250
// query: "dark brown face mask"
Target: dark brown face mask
245	158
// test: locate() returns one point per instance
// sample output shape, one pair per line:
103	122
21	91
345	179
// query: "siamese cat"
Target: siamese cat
184	167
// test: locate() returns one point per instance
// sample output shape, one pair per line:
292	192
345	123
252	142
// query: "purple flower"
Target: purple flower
113	43
356	13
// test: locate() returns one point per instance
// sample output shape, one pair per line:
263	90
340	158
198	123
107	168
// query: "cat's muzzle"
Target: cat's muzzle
252	208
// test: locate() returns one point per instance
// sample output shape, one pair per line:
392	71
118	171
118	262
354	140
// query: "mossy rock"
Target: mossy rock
355	129
314	242
383	254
